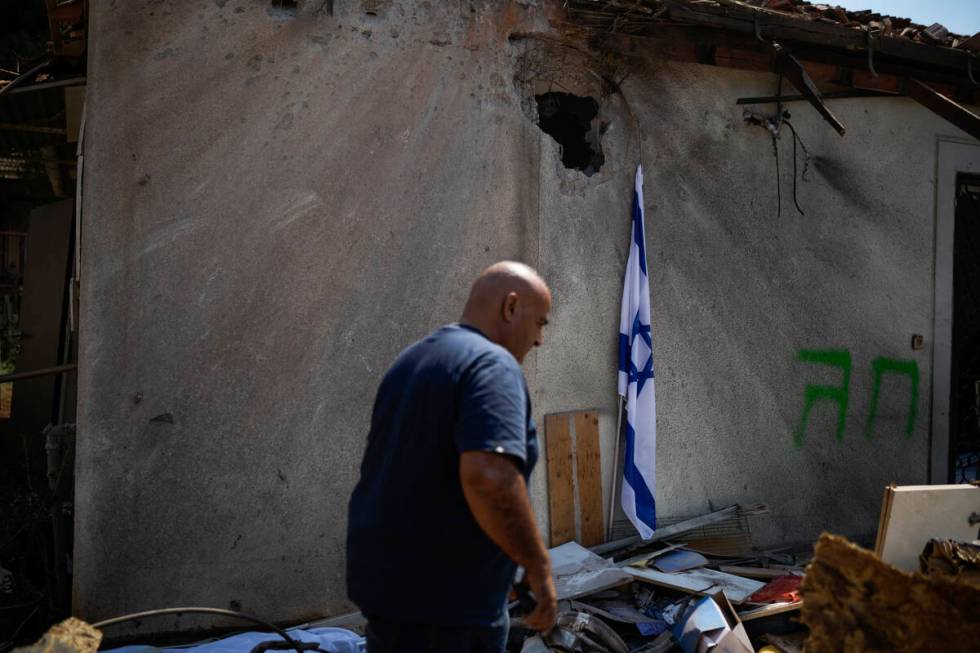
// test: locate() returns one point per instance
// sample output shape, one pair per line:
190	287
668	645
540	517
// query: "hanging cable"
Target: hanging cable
779	197
806	162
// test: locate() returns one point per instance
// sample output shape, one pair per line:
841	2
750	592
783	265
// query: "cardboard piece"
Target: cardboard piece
712	626
911	515
579	572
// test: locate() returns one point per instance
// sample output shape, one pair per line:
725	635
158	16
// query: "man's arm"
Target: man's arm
497	495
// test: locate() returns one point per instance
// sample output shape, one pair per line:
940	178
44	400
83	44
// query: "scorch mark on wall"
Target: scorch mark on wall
840	394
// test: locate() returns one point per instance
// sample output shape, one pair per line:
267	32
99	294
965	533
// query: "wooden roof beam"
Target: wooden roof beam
945	108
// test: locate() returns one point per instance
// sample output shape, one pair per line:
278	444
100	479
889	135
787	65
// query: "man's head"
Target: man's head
509	302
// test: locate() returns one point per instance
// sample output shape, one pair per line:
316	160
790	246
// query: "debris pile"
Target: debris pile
681	591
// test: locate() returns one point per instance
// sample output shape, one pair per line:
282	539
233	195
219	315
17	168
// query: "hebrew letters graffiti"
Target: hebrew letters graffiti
882	366
840	394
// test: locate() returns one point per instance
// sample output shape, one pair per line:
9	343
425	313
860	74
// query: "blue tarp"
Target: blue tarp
331	640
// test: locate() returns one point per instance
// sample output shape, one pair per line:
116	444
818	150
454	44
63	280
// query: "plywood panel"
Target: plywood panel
914	514
561	497
588	469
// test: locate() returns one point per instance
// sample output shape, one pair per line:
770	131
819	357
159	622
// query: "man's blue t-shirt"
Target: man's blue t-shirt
414	551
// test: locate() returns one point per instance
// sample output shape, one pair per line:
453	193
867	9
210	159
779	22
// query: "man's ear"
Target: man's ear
509	307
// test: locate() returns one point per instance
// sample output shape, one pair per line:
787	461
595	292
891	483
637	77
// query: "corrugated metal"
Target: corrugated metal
41	108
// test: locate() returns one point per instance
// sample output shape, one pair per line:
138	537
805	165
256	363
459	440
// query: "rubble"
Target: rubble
853	601
70	636
958	560
658	595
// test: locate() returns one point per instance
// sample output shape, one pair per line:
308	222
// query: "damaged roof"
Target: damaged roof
816	32
632	16
885	25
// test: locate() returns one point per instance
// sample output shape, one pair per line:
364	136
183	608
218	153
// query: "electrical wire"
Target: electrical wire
779	194
806	162
219	611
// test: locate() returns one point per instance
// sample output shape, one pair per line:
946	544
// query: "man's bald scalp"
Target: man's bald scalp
500	279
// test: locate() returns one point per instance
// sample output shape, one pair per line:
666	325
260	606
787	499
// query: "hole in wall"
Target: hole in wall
572	121
285	4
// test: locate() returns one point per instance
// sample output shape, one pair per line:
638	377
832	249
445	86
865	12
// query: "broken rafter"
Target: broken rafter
838	95
793	70
945	108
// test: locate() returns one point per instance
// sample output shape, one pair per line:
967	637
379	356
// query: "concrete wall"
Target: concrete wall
276	204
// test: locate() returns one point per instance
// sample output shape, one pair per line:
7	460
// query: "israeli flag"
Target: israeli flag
636	380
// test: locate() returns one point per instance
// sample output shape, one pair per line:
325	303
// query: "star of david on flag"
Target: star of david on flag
636	380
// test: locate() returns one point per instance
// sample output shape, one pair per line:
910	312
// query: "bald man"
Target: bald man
441	516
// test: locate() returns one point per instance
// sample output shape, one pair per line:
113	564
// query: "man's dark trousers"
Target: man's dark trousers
394	637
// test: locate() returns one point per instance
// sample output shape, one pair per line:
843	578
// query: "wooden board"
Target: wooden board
759	572
911	515
561	498
588	469
769	610
700	581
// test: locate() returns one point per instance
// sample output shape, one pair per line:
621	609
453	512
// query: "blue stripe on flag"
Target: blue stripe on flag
646	508
624	353
638	232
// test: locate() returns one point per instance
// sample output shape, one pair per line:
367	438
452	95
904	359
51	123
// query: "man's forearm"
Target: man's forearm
497	495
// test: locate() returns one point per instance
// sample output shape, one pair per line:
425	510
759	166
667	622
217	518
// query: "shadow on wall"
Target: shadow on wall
848	183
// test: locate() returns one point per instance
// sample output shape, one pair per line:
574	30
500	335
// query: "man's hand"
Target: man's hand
497	496
542	618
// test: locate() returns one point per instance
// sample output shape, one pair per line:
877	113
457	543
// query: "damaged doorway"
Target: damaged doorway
955	422
964	400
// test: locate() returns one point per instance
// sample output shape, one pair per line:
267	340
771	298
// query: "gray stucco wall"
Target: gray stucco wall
274	206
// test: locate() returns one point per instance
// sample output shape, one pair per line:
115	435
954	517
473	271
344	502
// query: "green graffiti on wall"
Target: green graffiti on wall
882	366
840	394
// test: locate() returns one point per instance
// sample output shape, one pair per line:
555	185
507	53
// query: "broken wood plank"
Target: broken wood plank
945	108
700	581
588	470
769	610
757	572
643	557
788	65
561	498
